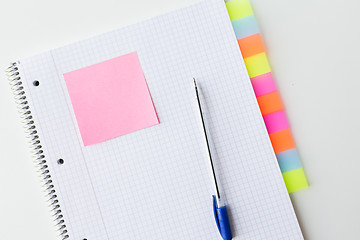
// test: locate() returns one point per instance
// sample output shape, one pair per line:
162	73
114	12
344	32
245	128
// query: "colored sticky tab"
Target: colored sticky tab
245	26
276	121
253	52
295	180
238	9
110	99
282	141
251	45
270	103
289	160
263	84
257	65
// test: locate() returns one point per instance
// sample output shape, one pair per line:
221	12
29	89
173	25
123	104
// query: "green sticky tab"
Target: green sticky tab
295	180
238	9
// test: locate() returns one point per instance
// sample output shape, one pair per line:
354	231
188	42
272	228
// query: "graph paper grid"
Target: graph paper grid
155	183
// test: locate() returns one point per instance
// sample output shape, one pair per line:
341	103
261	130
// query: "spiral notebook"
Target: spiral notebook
110	178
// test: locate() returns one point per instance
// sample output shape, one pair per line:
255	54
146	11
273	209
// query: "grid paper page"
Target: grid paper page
155	183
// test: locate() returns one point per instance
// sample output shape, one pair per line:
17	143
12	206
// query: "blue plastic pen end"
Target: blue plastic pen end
222	221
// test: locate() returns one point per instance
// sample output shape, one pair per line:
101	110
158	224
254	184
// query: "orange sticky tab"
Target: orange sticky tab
251	45
270	103
282	140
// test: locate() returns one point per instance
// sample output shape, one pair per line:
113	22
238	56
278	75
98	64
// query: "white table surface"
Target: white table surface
313	48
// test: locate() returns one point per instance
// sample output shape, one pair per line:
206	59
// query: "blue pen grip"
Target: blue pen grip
222	221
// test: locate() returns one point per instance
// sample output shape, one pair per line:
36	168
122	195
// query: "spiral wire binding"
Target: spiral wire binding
35	145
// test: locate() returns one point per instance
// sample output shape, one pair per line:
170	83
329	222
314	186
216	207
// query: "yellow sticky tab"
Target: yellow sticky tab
257	65
295	180
238	9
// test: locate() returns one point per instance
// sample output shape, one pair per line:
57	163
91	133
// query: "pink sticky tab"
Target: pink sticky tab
110	99
276	121
263	84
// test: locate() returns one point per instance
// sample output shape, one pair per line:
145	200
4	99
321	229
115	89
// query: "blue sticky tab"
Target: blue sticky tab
245	26
288	160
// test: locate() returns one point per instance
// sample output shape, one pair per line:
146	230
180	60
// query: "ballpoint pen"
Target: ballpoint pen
220	210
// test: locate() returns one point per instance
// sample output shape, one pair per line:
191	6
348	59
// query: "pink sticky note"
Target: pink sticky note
276	121
110	99
263	84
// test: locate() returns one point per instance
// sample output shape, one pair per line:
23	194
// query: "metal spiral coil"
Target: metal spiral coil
35	145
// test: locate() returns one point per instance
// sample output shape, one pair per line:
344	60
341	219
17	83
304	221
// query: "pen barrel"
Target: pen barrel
220	203
222	220
224	223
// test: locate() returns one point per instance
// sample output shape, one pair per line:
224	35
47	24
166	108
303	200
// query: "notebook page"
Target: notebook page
155	183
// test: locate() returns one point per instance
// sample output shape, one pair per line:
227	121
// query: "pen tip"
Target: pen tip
194	82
